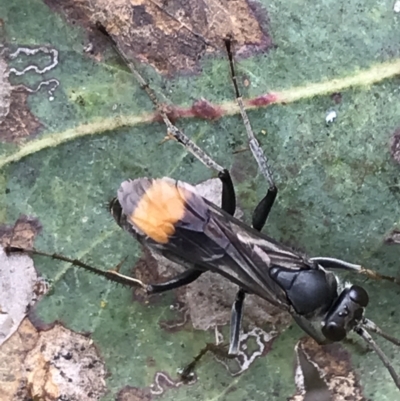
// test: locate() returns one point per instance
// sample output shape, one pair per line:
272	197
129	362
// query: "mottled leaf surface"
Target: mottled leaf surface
82	126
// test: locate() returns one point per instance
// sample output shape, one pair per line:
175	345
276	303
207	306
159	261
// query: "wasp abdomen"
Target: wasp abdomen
156	207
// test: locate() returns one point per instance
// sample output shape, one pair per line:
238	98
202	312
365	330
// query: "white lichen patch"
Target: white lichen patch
18	281
5	90
330	116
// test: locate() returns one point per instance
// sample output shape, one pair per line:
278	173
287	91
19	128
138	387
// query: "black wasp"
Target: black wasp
169	217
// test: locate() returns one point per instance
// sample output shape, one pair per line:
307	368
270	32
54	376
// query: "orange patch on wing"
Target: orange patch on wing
160	208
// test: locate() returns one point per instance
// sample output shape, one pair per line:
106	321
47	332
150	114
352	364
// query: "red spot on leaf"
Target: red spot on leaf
201	109
173	114
206	110
337	97
264	100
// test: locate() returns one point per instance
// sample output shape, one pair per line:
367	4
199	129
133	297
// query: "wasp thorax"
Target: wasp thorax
308	291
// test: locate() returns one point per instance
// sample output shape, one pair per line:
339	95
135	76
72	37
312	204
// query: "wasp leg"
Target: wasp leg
236	320
228	203
263	208
370	341
112	275
187	373
187	277
173	131
332	263
229	206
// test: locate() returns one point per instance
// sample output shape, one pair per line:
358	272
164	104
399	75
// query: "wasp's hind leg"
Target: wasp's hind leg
228	205
228	202
173	131
263	208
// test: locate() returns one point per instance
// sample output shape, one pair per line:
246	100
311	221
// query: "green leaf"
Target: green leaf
338	183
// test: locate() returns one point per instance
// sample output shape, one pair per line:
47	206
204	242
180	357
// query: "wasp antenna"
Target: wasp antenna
112	275
370	325
255	147
173	131
370	341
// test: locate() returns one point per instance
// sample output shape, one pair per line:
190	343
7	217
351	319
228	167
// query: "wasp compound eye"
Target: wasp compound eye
345	313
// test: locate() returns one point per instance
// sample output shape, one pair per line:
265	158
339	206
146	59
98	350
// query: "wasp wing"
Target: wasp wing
172	218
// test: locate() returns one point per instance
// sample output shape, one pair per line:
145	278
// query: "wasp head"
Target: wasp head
346	313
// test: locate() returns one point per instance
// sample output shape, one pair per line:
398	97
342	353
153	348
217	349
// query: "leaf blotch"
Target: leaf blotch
174	36
395	146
